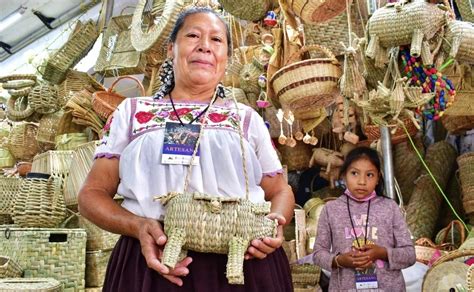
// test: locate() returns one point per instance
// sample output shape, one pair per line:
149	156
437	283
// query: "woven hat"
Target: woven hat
445	276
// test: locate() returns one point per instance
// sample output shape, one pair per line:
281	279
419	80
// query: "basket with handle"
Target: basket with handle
9	268
22	141
75	81
104	103
426	250
43	98
316	11
18	108
454	234
30	285
307	85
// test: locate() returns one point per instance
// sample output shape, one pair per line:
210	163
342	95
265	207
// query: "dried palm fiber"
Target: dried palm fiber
453	192
75	81
96	265
295	158
117	55
7	78
43	98
9	268
307	85
47	130
458	41
9	187
81	105
425	202
466	178
371	73
403	23
76	47
66	124
105	102
445	276
453	234
19	92
306	274
30	285
252	10
465	8
81	163
209	223
18	108
316	11
352	83
48	252
22	141
18	84
407	166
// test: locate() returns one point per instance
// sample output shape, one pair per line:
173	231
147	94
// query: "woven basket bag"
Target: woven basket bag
47	130
96	265
75	81
30	285
75	48
465	9
9	188
104	103
316	11
466	177
405	157
252	10
43	98
459	117
307	85
22	141
9	268
458	41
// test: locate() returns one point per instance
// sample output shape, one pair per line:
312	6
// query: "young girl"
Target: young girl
362	236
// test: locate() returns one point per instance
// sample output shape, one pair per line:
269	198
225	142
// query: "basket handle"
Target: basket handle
450	226
305	49
140	85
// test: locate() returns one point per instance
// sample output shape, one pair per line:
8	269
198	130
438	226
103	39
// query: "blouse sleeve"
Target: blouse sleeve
116	132
258	136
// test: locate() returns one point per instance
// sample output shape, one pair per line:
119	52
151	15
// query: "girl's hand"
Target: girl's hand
152	240
353	260
260	248
375	252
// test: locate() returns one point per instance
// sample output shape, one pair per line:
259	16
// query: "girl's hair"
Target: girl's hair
195	10
364	153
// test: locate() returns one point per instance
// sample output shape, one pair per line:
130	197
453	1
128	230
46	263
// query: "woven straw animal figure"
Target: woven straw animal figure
330	160
403	23
459	41
198	222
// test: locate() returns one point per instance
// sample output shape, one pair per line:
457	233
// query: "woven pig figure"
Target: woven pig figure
459	41
403	23
198	222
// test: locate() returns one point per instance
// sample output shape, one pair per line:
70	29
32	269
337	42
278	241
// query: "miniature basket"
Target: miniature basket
426	250
104	103
22	141
41	203
459	117
96	265
308	85
466	178
252	10
47	131
75	81
9	188
43	98
18	108
75	48
458	41
30	285
9	268
306	274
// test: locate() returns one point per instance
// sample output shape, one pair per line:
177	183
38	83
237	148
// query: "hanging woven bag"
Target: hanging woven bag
317	11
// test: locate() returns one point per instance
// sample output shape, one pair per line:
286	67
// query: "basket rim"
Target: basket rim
298	64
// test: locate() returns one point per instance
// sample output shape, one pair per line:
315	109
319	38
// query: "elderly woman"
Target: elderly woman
130	162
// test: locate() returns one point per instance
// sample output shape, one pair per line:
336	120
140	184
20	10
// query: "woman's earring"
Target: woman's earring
220	91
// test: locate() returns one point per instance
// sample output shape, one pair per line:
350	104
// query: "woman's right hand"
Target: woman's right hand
152	240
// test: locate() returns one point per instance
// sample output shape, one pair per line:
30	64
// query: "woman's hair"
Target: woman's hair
195	10
364	153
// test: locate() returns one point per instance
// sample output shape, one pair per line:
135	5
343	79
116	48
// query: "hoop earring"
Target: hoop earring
166	75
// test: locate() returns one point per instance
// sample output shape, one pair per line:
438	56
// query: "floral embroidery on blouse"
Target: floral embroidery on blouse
106	131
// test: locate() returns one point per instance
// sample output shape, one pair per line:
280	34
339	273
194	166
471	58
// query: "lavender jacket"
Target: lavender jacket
386	227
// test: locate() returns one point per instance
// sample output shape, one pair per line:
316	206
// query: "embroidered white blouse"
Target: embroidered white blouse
135	135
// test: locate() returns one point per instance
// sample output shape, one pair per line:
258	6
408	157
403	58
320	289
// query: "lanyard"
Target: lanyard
352	223
193	120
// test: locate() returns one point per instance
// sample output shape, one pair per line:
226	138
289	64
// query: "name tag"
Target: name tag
179	143
366	279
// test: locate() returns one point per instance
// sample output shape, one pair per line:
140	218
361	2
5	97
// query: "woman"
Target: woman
129	162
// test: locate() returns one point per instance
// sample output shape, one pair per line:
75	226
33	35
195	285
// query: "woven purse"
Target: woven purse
459	41
206	223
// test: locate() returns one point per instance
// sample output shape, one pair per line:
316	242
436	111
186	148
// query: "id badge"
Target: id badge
179	143
366	279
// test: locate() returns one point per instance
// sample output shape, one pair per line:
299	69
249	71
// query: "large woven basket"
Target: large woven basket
43	98
404	157
55	253
459	41
75	81
78	45
306	274
41	203
252	10
466	177
47	130
308	85
459	117
316	11
96	265
9	268
22	141
30	285
9	188
57	163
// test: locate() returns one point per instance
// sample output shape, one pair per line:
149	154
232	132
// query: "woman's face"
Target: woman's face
200	50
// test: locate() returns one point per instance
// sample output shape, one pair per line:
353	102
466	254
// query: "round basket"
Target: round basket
18	108
47	130
22	141
43	98
104	103
466	176
445	276
30	285
9	268
316	11
373	131
306	86
248	78
252	10
453	234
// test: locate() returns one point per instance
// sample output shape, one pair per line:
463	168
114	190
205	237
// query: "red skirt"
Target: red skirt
127	271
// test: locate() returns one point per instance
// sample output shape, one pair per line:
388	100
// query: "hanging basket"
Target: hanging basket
317	11
9	268
459	117
458	41
308	85
22	141
104	103
75	81
43	98
252	10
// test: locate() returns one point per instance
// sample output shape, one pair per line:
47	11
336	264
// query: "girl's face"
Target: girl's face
361	178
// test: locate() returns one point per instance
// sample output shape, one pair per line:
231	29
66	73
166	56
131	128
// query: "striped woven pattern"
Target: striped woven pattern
43	98
459	41
9	268
30	285
96	265
466	10
466	177
252	10
315	11
9	188
306	274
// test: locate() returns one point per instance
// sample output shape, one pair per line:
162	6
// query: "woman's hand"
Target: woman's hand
152	240
260	248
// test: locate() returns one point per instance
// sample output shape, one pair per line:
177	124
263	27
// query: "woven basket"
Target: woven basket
466	177
18	108
6	158
96	265
104	103
316	11
405	157
426	250
445	276
403	23
459	117
117	55
308	85
9	188
453	234
252	10
70	141
9	268
81	105
43	98
373	131
18	84
22	141
459	41
41	203
78	45
75	81
306	274
47	130
81	164
30	285
55	253
465	9
296	158
56	163
67	126
248	78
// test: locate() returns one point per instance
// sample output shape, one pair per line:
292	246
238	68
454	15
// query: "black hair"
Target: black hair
195	10
369	154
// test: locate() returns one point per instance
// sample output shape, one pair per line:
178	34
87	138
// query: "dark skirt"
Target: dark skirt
127	271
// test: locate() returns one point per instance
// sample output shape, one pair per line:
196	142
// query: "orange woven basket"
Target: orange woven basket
105	102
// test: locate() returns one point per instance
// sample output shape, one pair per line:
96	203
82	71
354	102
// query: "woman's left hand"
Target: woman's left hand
260	248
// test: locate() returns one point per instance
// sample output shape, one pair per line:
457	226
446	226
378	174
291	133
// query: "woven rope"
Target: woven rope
19	92
31	285
9	268
252	10
96	265
37	252
22	141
